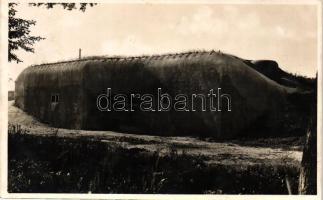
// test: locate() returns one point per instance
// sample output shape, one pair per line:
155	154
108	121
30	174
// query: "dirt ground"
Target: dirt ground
271	151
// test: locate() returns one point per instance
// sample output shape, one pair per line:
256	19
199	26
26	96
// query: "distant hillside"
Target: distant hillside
272	70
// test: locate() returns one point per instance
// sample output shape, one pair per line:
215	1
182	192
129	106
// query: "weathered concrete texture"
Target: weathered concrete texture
36	85
257	102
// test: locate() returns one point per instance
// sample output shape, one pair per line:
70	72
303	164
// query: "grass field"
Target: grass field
44	159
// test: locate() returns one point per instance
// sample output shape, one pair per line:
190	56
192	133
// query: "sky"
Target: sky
285	33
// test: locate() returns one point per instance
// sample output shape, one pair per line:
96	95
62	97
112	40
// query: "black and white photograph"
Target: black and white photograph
161	97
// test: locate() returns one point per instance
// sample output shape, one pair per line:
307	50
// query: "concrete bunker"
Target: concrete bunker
64	94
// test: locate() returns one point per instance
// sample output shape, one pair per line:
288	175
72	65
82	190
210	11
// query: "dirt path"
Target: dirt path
214	152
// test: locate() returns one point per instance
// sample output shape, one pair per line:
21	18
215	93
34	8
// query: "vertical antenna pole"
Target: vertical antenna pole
80	53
